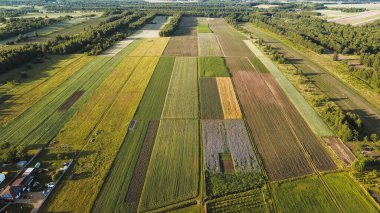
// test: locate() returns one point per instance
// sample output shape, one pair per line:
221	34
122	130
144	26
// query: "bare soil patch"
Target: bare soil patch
71	101
182	46
342	151
138	177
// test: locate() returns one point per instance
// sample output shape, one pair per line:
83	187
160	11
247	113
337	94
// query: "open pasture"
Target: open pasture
229	102
182	96
312	144
24	95
231	41
208	45
306	194
104	141
173	172
150	47
212	67
211	107
282	156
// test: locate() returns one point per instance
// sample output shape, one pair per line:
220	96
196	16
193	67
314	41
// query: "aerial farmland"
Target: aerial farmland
180	112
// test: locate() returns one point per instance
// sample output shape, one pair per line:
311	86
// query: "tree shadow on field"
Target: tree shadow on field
371	122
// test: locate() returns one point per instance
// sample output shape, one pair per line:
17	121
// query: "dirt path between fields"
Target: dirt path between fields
341	94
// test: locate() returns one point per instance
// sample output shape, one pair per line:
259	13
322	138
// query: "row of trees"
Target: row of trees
16	26
91	41
348	9
11	155
171	27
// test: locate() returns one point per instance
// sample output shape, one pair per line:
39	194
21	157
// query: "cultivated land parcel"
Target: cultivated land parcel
200	120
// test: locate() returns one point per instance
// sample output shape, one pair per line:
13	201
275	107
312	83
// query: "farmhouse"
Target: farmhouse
13	191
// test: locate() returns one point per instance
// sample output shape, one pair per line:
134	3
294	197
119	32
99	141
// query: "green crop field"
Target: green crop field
182	97
212	67
173	173
303	195
259	66
211	107
346	190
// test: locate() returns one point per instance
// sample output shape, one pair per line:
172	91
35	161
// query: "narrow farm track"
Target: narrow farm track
340	93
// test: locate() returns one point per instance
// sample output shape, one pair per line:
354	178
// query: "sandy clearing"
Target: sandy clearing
152	30
115	49
365	17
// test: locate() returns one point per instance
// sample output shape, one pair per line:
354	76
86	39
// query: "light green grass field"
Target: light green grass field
212	67
182	97
173	173
208	45
350	196
303	195
203	28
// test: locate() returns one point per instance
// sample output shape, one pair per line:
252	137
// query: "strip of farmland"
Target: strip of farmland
228	136
184	42
312	118
235	64
340	149
230	40
208	45
41	122
282	156
230	105
212	67
182	97
211	107
25	95
150	47
346	191
313	145
106	139
173	173
124	167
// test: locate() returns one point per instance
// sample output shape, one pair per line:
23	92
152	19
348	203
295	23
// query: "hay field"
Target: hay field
103	142
24	95
208	45
230	105
182	97
150	47
173	171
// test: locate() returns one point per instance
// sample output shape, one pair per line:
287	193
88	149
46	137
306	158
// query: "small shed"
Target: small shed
21	164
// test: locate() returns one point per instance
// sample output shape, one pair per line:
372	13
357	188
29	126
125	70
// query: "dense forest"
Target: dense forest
16	26
169	28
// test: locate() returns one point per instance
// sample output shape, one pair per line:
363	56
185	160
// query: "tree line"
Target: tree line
91	41
171	27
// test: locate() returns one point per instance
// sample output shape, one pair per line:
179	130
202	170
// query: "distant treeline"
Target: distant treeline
16	26
91	41
171	27
348	9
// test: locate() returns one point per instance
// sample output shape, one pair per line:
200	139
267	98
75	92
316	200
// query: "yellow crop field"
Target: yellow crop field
26	94
230	105
151	47
100	147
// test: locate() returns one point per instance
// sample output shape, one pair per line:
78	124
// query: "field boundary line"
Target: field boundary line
220	45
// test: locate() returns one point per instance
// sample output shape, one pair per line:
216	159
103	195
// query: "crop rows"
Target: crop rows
173	173
123	168
208	45
230	105
106	137
150	47
182	97
282	156
211	107
235	64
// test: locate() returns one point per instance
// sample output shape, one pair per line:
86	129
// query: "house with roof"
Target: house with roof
14	190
